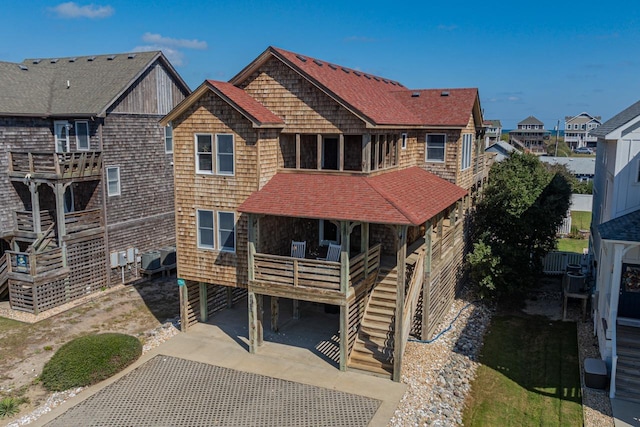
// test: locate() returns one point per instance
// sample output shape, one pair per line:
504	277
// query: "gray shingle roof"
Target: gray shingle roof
531	121
625	228
618	120
84	85
576	165
503	150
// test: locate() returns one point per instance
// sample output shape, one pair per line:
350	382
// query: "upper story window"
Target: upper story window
404	141
61	133
205	229
113	180
227	231
168	139
435	147
224	154
224	222
82	135
467	148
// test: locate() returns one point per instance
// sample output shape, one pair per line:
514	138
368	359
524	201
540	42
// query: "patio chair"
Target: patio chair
298	249
333	253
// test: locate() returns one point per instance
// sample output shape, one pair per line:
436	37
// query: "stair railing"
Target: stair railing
614	355
37	246
412	296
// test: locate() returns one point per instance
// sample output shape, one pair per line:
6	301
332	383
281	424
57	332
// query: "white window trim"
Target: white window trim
467	148
217	225
169	126
109	193
77	125
426	149
404	141
213	229
65	124
233	155
197	157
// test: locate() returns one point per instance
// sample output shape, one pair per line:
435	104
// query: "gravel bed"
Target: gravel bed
152	339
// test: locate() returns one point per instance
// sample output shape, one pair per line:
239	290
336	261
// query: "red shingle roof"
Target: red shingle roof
440	107
245	102
409	196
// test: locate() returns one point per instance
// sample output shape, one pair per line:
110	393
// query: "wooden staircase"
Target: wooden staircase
373	348
628	367
4	276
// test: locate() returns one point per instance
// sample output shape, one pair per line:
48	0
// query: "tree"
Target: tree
521	209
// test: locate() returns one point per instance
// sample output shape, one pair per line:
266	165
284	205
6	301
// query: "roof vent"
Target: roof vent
385	80
91	58
357	73
333	67
367	76
23	67
444	93
111	57
301	58
346	70
376	79
393	83
315	61
415	94
53	61
72	59
37	61
131	56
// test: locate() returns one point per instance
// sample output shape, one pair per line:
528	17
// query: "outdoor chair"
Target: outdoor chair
333	253
298	249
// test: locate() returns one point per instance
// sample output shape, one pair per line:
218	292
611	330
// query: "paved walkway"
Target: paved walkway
207	377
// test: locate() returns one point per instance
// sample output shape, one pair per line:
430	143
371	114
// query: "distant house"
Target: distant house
583	168
530	136
578	130
615	247
492	133
502	150
303	182
86	175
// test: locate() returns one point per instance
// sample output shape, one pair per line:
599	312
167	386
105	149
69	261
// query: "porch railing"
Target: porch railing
357	270
296	272
56	165
411	297
24	220
35	264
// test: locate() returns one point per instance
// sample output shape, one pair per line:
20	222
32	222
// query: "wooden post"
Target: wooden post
35	207
398	347
341	152
426	287
184	303
253	322
252	226
229	297
385	143
275	313
204	307
345	234
440	227
364	245
260	318
375	142
296	309
319	151
297	151
366	152
344	336
60	217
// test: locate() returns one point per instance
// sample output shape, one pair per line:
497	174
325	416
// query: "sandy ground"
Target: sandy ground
26	347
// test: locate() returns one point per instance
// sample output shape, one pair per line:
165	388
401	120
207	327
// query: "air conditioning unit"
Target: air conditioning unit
168	255
150	260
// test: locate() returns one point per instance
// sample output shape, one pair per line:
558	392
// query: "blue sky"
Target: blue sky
545	58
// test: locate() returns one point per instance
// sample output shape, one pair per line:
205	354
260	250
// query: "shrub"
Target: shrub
89	359
9	406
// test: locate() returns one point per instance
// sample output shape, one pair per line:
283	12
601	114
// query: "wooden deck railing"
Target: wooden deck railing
78	164
24	220
4	270
295	272
411	297
35	264
77	222
357	264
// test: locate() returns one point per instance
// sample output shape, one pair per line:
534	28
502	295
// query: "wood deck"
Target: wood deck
82	165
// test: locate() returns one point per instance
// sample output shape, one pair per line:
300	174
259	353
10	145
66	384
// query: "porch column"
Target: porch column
426	287
345	229
341	152
59	195
319	150
35	207
366	152
364	244
618	250
297	151
254	300
401	253
204	308
254	324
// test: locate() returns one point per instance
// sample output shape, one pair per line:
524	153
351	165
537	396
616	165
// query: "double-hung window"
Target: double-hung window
435	147
215	156
113	180
467	148
82	135
168	139
216	231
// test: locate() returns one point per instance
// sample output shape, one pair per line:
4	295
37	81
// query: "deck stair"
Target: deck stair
45	242
628	366
373	348
4	276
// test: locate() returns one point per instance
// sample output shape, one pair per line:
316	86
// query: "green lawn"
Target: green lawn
572	245
529	375
580	219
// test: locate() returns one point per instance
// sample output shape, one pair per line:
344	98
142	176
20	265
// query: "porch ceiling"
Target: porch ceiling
623	229
409	196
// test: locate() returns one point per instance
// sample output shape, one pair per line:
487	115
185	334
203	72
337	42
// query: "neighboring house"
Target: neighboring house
578	130
583	168
502	150
493	132
615	247
87	175
373	180
530	136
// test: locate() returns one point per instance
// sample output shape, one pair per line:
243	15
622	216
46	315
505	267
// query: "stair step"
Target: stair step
625	378
383	318
369	359
369	368
627	395
376	324
382	310
379	341
377	333
377	302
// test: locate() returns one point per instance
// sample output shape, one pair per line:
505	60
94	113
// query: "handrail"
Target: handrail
36	245
4	269
614	355
411	298
297	272
60	165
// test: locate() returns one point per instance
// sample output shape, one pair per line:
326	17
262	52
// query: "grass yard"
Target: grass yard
529	375
581	220
572	245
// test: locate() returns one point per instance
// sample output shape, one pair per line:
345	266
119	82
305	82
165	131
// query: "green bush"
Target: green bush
9	406
89	359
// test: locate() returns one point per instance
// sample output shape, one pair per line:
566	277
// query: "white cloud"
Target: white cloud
73	10
513	98
447	27
159	40
174	56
